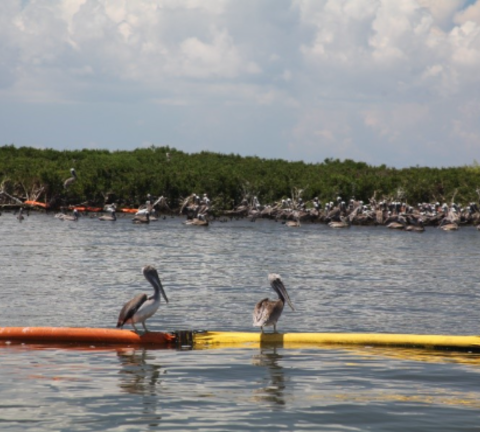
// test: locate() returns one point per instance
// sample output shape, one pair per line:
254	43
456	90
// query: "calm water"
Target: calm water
55	273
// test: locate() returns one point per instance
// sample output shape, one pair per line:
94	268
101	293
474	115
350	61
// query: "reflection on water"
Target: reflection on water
272	386
140	375
236	389
366	279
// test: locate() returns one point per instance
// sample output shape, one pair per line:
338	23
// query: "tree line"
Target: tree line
127	177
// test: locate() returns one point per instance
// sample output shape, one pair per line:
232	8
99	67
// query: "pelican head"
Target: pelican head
151	275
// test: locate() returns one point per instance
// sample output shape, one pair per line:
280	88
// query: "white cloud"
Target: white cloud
220	58
390	122
442	11
471	13
143	41
344	78
465	42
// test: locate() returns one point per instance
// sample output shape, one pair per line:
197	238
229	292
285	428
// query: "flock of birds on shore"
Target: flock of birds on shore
393	215
338	214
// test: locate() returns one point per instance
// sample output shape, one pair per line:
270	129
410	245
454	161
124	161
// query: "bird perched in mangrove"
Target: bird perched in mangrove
71	179
267	312
142	307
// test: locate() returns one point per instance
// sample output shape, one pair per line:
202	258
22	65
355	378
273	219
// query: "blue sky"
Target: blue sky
379	81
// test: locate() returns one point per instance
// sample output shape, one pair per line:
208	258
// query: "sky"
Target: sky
385	82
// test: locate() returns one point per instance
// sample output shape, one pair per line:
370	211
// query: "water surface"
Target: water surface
364	279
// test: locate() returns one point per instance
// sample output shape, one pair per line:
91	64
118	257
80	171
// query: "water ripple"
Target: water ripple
363	279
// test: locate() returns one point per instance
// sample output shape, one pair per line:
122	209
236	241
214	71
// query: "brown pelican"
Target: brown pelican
142	307
148	207
111	217
416	225
200	220
415	228
396	225
267	312
71	179
293	223
448	226
141	219
342	223
65	217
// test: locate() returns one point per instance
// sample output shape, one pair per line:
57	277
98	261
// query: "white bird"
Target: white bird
142	307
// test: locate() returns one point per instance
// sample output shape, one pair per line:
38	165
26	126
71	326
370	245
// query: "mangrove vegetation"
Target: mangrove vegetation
128	177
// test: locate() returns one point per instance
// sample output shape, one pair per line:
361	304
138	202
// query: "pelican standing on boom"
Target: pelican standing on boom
142	307
267	312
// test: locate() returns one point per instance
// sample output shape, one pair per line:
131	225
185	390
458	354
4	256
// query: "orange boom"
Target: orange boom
36	203
87	209
82	335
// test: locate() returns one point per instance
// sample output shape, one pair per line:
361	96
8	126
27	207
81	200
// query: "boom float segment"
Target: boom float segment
82	335
364	339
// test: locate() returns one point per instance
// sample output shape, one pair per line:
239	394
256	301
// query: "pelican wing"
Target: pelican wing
68	182
130	308
185	203
142	212
261	313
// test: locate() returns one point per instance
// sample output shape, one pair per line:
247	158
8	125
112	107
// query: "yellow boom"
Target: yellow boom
287	340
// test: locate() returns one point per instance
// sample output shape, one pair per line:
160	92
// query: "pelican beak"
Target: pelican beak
287	298
160	287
